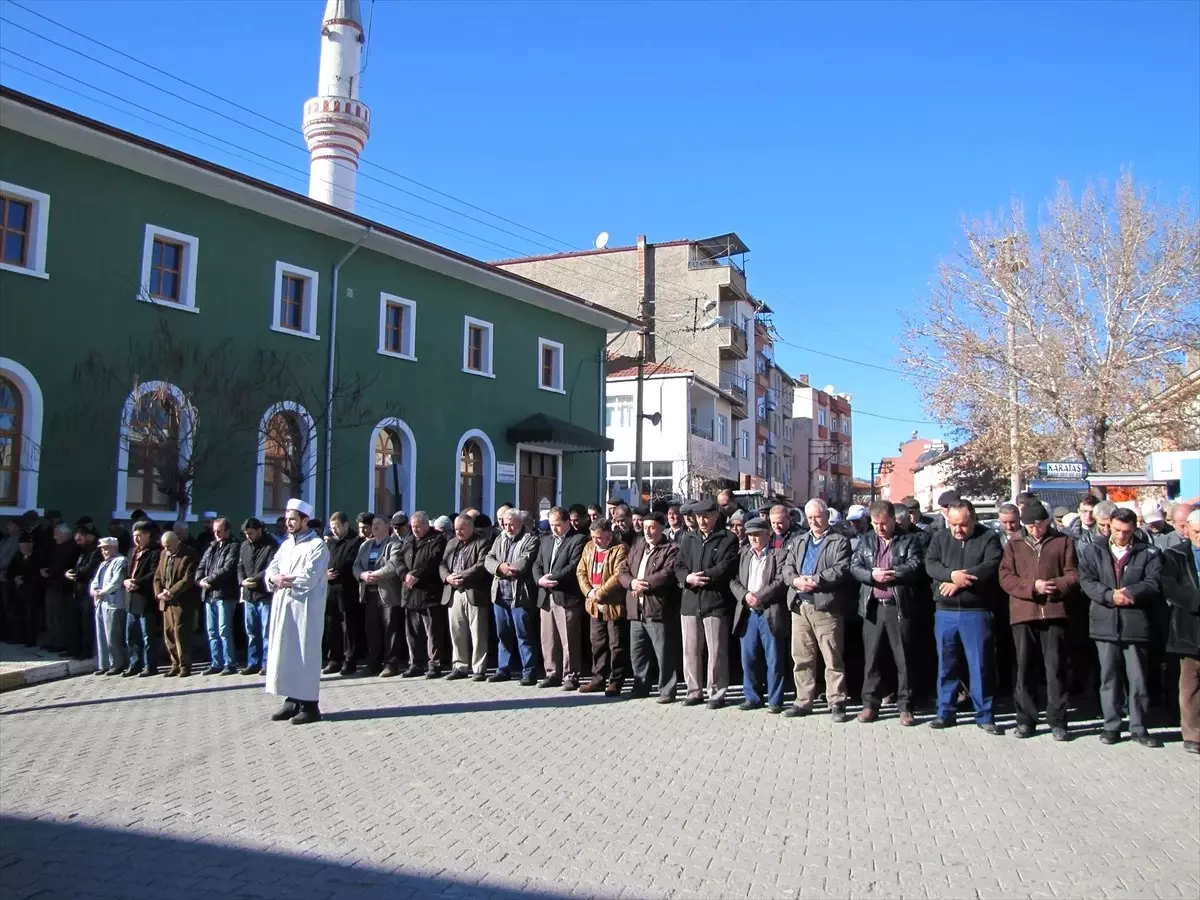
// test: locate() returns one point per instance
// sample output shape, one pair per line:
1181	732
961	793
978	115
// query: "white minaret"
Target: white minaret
336	123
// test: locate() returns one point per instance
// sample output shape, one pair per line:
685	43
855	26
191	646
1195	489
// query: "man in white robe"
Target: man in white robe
297	576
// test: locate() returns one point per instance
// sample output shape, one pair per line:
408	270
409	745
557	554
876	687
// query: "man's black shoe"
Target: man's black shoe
1191	747
129	673
838	713
412	672
212	670
748	705
664	699
434	673
1110	737
289	709
309	712
348	670
1025	731
570	684
479	676
693	701
715	704
1147	740
940	723
456	675
528	681
331	667
229	670
498	677
775	708
990	728
147	673
639	693
248	670
550	683
1059	733
796	712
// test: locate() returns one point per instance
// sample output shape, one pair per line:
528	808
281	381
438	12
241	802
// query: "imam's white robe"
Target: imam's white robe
297	617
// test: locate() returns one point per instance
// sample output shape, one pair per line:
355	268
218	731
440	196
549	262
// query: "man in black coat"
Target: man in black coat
963	562
1123	578
1181	587
254	556
705	566
345	634
427	622
564	625
217	577
87	561
889	566
141	623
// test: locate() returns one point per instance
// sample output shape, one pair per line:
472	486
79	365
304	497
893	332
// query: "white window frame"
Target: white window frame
187	435
489	467
621	408
310	311
408	471
32	410
489	348
722	429
821	417
745	442
187	275
559	366
308	488
38	233
408	333
846	425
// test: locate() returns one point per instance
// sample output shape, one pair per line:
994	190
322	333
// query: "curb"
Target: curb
47	671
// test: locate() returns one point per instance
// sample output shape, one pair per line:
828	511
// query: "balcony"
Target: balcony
772	400
737	387
732	341
701	432
709	458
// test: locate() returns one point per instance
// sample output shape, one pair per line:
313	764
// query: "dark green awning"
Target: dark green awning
543	429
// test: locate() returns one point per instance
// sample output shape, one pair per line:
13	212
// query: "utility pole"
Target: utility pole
637	419
1011	265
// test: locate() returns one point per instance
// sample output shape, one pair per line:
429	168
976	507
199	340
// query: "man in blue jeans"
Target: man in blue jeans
760	620
514	598
254	557
217	577
963	562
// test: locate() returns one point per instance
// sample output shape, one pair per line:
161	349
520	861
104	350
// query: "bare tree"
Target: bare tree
1087	320
196	402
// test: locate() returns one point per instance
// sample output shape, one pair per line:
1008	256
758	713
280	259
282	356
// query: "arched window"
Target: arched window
284	454
392	468
389	472
152	430
11	442
470	476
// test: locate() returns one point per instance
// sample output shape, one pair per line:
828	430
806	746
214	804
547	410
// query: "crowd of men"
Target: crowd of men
928	610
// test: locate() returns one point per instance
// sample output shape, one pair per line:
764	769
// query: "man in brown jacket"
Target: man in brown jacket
1041	577
174	586
652	607
604	599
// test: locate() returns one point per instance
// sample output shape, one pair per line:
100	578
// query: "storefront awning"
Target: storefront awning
551	432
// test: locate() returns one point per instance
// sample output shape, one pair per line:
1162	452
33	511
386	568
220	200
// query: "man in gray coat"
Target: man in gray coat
817	572
467	596
514	598
380	593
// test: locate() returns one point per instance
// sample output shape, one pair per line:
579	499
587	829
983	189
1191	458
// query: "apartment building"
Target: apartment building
701	318
822	444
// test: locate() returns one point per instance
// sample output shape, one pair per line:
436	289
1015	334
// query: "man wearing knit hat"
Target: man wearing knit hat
298	575
1039	573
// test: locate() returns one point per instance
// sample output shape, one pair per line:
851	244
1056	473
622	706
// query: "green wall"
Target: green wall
89	307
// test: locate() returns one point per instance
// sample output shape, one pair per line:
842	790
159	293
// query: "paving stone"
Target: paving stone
433	789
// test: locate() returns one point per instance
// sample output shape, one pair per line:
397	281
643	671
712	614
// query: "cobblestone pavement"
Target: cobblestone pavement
156	788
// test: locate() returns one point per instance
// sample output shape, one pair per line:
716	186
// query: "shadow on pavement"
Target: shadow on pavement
440	709
98	701
60	859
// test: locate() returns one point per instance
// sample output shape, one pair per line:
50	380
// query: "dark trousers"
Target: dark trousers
1121	663
608	650
654	652
385	634
885	635
761	648
334	641
428	633
24	616
1051	639
970	630
83	626
345	626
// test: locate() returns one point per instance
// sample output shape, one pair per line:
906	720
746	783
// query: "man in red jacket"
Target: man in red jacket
1041	577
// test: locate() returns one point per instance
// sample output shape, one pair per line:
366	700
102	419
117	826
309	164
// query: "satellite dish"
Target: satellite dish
601	240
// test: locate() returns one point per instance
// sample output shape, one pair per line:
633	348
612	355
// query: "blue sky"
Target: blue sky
843	142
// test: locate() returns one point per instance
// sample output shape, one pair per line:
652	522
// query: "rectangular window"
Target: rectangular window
166	270
477	347
24	219
745	445
16	219
618	412
821	417
833	422
550	366
845	424
295	301
722	430
397	327
761	407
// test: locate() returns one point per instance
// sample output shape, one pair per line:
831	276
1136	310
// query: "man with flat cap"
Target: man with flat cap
760	619
705	566
298	575
1040	574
